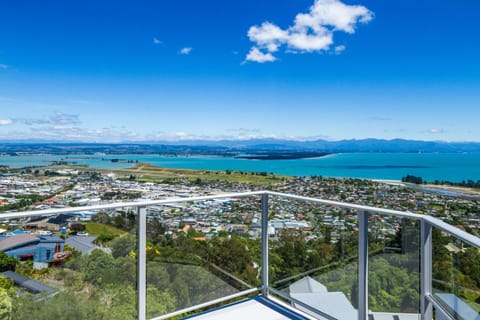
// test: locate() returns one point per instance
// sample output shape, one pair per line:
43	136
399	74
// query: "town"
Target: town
324	235
53	189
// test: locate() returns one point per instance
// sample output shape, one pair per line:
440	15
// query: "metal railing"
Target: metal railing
427	224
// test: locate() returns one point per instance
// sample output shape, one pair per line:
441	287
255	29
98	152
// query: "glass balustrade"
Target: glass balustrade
173	258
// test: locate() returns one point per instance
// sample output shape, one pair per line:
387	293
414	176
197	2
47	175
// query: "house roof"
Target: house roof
17	241
82	243
307	285
29	284
51	239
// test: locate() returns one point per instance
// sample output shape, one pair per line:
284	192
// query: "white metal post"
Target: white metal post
362	265
426	269
142	261
265	245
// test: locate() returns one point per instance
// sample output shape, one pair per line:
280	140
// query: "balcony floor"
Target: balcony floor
254	308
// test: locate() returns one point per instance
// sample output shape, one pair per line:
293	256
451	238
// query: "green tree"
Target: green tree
159	303
101	217
5	304
100	268
7	263
122	246
5	282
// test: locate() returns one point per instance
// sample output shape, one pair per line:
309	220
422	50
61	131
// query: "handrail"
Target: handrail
10	215
454	231
347	205
363	210
462	235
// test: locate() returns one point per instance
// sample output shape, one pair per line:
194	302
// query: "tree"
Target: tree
468	263
5	283
101	217
5	304
7	263
100	268
159	303
122	246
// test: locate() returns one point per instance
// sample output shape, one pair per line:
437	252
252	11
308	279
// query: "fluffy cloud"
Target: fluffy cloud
311	32
256	55
156	41
339	49
268	36
5	122
186	50
436	131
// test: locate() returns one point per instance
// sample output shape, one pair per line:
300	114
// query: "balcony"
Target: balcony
294	258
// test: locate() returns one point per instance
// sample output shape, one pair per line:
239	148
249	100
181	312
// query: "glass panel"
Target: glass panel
313	256
80	265
456	276
394	266
201	251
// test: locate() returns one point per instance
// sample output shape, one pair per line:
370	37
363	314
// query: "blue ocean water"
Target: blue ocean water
430	166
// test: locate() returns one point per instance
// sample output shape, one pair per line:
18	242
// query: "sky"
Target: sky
115	71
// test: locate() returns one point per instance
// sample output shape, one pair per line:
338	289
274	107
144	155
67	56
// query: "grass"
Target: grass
149	173
96	229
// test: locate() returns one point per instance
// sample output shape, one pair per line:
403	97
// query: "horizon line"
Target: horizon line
218	140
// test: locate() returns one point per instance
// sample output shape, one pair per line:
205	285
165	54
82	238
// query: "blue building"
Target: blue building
42	250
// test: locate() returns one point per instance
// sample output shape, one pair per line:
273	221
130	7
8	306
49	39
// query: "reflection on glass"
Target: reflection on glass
456	276
80	265
201	251
313	256
394	265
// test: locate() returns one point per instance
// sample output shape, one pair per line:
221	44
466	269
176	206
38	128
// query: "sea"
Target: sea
454	167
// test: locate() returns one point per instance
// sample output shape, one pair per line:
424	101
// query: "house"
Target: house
42	250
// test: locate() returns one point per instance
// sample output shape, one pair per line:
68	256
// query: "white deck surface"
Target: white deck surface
250	309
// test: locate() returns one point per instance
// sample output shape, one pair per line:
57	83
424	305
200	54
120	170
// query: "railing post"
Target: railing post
426	270
362	265
142	262
265	244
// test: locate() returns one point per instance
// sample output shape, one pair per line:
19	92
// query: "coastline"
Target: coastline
442	188
374	166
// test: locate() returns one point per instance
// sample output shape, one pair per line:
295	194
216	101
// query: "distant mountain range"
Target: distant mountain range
240	147
352	145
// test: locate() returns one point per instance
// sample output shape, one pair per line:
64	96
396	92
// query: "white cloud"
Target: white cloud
268	36
303	42
311	32
186	50
156	41
436	131
231	134
339	49
60	118
3	66
5	122
57	119
258	56
243	130
335	14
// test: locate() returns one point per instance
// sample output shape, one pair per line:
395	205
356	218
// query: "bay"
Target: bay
453	167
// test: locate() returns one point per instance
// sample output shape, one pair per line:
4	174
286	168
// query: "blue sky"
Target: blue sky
115	71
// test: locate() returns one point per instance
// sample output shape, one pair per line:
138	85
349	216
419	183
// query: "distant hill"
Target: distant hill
240	147
353	145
